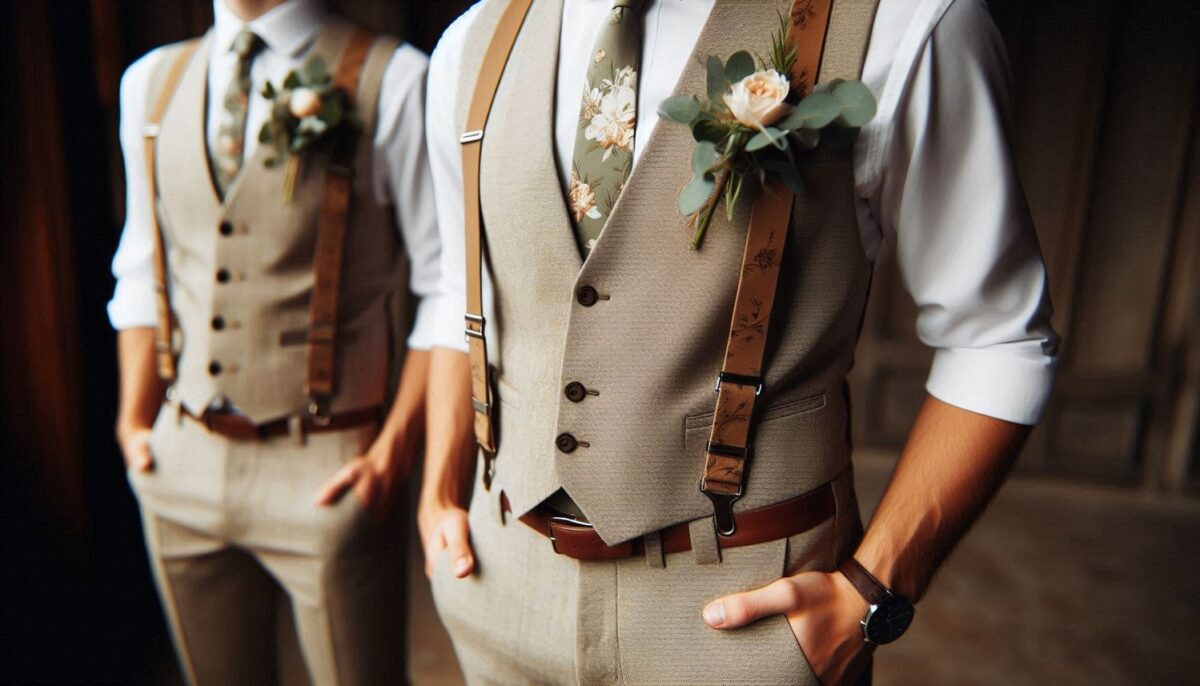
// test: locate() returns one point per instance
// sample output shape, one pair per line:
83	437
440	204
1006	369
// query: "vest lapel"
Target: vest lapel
732	25
189	144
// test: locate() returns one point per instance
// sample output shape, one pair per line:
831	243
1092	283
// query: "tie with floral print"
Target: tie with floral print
227	153
607	120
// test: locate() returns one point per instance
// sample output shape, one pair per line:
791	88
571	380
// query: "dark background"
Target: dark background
1106	132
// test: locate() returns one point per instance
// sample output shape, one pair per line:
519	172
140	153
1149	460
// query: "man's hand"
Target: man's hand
444	531
135	447
372	477
824	611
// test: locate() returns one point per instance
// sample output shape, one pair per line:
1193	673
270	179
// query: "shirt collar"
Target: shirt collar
286	29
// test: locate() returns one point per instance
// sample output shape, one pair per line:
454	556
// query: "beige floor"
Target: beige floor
1057	584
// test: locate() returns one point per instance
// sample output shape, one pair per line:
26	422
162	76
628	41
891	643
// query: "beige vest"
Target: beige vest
249	260
651	347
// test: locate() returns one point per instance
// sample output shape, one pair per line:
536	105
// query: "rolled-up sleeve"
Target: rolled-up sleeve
133	301
950	199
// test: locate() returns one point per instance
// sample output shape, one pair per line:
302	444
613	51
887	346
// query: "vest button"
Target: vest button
214	368
566	443
575	392
218	323
223	276
226	228
587	296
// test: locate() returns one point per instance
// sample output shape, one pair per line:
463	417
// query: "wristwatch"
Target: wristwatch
888	614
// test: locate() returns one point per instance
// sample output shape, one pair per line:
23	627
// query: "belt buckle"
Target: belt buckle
562	519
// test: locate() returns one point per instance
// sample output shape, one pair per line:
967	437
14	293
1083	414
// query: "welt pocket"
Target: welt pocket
787	409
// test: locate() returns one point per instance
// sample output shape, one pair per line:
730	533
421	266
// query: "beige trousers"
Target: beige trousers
531	616
229	523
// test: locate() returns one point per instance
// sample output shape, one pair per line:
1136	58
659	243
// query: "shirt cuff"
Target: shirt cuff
438	323
996	383
133	304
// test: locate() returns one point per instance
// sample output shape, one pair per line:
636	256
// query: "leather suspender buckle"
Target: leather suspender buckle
740	380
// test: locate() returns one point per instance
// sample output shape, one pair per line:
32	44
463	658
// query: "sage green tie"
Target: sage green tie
228	149
607	121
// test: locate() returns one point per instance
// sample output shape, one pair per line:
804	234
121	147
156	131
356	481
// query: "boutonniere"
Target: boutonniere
752	123
307	113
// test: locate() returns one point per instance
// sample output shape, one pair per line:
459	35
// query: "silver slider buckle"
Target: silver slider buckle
150	131
740	380
471	136
477	319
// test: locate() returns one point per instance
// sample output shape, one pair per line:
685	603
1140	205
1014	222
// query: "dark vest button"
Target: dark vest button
214	368
575	392
226	228
218	323
587	296
566	443
223	276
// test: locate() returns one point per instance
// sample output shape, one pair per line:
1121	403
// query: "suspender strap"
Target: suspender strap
740	382
321	374
472	142
164	334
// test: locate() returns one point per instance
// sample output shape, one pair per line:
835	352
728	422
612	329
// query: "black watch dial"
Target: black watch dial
888	620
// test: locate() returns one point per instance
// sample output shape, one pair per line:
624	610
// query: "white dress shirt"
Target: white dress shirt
399	175
933	171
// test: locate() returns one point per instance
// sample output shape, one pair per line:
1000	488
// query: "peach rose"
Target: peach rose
757	101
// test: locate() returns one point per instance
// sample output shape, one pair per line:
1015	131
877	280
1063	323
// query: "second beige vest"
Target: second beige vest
240	271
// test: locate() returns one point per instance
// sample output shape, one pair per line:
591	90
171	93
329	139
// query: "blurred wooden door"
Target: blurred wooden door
1108	148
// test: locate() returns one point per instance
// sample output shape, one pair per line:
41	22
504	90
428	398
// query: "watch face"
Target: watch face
888	620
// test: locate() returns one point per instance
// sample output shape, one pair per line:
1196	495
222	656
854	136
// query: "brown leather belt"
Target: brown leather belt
239	427
788	518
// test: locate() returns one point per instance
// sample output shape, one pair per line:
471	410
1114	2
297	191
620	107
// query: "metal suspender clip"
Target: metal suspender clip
723	509
477	319
739	379
471	136
318	410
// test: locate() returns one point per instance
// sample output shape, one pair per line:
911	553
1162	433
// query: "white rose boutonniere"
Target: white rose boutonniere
753	123
307	113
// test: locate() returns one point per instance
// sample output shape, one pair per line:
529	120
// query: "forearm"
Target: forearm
141	389
404	428
450	447
952	465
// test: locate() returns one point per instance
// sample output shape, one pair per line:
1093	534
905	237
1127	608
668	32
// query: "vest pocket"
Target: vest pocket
771	412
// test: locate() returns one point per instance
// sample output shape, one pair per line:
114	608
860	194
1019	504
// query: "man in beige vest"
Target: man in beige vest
587	552
287	292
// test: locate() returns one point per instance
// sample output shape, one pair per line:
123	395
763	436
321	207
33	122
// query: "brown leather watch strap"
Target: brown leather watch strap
866	583
320	381
741	379
486	85
164	333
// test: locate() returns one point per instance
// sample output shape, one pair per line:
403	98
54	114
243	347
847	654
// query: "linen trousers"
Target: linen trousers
228	523
528	615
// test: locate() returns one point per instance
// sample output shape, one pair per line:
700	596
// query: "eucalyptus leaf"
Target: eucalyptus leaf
314	70
331	112
718	83
793	180
709	130
291	81
696	193
739	66
858	105
815	111
704	157
768	136
268	90
264	134
838	137
828	86
680	108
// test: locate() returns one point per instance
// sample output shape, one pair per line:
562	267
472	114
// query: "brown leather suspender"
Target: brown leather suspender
320	381
164	333
740	381
488	82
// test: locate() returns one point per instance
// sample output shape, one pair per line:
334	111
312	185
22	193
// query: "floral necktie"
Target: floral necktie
607	120
227	153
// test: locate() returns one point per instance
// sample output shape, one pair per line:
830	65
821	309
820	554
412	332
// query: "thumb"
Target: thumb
456	533
740	609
